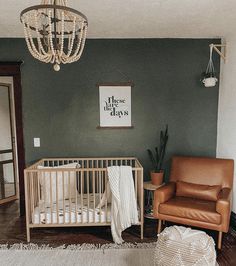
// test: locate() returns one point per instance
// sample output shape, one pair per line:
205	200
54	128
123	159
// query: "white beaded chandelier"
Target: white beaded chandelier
54	32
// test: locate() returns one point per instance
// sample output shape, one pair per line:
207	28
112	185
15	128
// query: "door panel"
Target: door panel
10	73
8	180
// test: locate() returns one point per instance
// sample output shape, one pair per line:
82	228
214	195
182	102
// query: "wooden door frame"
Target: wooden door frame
12	69
3	200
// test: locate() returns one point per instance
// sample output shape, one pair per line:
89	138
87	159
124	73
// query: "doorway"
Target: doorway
8	150
13	154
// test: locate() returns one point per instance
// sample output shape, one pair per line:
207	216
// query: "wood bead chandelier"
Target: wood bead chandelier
54	32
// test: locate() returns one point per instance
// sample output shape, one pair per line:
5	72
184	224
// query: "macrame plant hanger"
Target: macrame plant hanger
210	70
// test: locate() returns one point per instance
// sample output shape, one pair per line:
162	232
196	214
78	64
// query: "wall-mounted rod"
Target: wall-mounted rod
221	52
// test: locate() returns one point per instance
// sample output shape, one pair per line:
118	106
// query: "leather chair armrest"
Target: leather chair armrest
223	206
162	195
224	200
225	194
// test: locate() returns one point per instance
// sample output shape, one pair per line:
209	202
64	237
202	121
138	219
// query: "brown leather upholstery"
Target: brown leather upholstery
201	170
205	213
195	209
196	191
223	206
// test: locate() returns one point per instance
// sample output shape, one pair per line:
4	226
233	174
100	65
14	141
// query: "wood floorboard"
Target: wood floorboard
12	230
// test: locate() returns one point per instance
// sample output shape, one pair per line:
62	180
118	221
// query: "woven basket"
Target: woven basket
178	245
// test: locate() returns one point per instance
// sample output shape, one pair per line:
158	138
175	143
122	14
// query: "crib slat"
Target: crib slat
96	184
76	201
39	191
39	195
45	216
96	180
136	185
69	180
88	199
57	200
103	166
31	193
141	202
35	191
50	177
81	196
63	194
106	180
94	200
99	182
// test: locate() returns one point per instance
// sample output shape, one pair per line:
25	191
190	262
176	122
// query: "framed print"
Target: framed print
115	105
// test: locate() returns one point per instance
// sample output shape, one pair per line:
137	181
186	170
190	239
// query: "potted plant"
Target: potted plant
208	77
157	158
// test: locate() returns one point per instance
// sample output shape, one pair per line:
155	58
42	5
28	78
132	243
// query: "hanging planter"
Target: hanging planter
209	78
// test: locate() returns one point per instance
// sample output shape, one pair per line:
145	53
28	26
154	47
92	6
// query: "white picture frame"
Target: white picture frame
115	105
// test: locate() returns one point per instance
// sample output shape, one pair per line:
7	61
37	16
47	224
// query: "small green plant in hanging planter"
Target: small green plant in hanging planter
157	158
208	77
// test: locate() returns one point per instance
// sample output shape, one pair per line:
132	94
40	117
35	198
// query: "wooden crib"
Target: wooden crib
67	192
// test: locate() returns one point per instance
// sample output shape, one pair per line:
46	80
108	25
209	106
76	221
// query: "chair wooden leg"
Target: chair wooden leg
219	240
28	233
159	226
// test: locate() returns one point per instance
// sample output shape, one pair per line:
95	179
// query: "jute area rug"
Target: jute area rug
127	254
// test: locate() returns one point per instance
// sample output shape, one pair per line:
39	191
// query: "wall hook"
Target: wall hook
221	52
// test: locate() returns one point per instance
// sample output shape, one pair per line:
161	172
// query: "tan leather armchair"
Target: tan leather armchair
205	202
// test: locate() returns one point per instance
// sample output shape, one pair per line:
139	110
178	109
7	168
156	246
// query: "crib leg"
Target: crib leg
28	233
142	230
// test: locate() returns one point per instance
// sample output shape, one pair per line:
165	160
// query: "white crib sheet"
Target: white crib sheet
44	214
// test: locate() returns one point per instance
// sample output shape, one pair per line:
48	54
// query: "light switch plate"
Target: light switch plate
36	142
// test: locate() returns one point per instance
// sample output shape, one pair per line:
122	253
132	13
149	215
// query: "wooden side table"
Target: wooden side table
148	208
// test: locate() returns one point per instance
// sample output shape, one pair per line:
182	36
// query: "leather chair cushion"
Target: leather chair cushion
196	191
194	209
202	170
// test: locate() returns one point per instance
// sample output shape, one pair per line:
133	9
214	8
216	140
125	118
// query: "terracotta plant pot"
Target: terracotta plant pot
157	178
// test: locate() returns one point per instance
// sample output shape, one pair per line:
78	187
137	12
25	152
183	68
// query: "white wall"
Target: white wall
226	136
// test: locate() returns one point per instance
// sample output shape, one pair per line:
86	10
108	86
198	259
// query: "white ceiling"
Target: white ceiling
139	18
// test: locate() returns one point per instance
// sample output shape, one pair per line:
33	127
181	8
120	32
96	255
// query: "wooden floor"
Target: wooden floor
12	230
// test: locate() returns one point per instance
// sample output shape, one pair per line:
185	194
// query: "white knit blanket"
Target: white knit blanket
124	211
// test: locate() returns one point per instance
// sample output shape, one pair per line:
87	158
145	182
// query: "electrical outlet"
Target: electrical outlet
36	142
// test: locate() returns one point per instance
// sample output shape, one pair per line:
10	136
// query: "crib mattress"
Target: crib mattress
47	214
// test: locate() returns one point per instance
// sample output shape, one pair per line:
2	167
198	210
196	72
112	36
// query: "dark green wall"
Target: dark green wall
62	107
